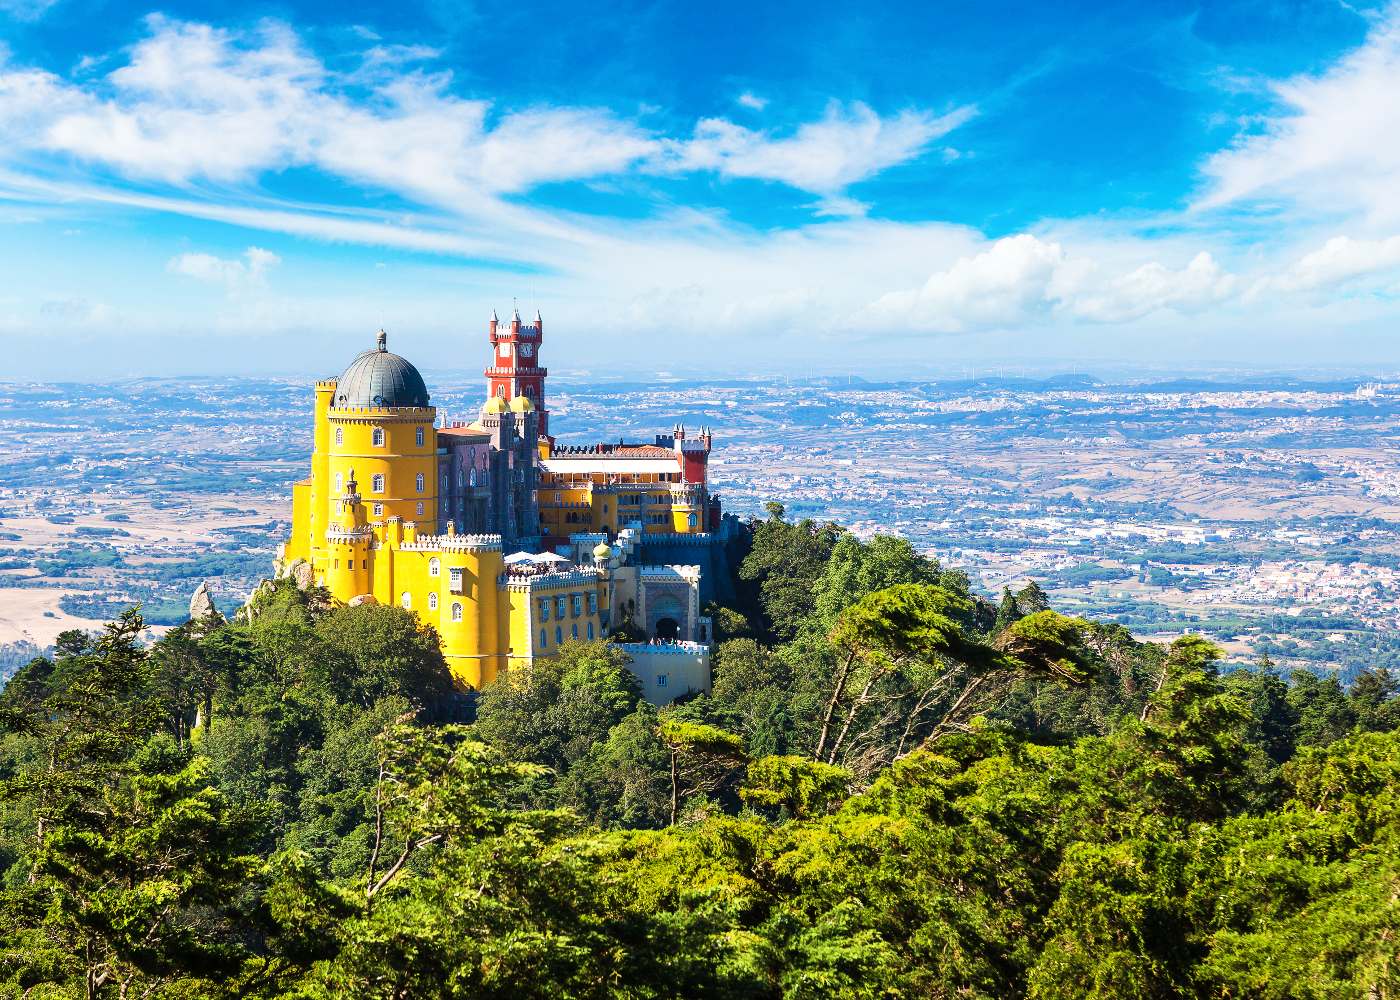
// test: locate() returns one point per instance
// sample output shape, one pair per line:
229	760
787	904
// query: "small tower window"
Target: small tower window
339	436
379	510
454	579
406	599
434	566
376	482
377	437
456	612
420	482
661	680
339	482
418	436
419	508
432	602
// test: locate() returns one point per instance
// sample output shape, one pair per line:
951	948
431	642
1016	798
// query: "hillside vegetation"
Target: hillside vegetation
896	789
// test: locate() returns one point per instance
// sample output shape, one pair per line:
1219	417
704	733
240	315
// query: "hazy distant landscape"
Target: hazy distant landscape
1264	512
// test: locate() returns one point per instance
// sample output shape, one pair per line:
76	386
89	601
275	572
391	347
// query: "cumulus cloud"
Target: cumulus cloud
248	271
1341	260
1021	280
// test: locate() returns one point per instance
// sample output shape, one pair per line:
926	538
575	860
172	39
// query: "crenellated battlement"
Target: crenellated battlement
453	543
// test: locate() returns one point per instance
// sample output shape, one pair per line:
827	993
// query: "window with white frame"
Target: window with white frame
379	510
418	436
432	602
420	482
560	604
339	436
578	604
456	612
662	680
592	603
376	482
406	599
377	437
339	482
418	508
434	566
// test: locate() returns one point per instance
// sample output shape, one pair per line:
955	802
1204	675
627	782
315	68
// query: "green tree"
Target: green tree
798	786
701	757
782	568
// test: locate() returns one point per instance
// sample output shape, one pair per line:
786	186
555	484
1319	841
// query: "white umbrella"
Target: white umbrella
519	557
552	557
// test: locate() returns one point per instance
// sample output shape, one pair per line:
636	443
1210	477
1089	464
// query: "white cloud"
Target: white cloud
849	144
1340	260
194	103
1023	279
1334	145
748	99
249	271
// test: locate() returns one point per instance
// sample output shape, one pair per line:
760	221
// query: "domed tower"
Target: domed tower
380	424
515	370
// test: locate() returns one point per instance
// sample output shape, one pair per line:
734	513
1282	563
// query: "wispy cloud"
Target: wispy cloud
748	99
849	144
1333	146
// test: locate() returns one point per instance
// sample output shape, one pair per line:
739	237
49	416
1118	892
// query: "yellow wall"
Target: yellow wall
400	459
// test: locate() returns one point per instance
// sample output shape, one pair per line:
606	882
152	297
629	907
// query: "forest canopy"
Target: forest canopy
897	788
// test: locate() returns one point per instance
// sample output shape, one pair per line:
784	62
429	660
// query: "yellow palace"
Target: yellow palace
508	544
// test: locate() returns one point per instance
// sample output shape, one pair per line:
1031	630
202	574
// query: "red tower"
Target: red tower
515	369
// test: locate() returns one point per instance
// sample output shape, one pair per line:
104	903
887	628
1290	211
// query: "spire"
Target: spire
383	341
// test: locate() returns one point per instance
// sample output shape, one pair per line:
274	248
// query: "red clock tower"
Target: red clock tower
515	369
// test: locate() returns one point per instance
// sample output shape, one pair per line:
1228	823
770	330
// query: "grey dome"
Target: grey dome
378	378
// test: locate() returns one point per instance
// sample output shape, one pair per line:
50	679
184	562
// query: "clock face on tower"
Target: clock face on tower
526	350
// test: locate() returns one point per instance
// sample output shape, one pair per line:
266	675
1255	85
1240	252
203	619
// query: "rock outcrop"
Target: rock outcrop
202	604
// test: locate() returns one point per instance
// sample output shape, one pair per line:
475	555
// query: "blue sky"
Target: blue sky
777	187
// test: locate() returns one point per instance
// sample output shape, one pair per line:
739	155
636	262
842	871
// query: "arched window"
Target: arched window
377	437
376	482
456	612
419	508
339	483
432	602
590	631
339	436
473	477
558	635
406	599
692	520
420	483
544	638
418	436
575	630
434	566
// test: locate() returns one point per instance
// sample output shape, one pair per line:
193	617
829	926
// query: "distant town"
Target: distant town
1264	513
